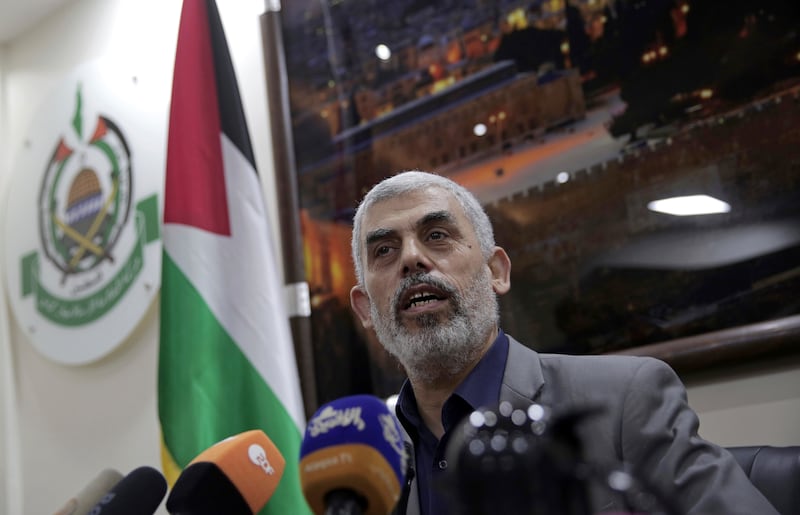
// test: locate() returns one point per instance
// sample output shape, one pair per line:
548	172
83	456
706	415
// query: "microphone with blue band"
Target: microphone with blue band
138	493
353	458
91	494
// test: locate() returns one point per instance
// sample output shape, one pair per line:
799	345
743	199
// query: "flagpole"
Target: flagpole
288	205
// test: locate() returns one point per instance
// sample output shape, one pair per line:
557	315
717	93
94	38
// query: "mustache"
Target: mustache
424	278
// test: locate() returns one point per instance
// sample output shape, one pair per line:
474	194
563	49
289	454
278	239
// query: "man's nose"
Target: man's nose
413	258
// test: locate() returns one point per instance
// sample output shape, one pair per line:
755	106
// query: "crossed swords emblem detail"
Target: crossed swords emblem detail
84	241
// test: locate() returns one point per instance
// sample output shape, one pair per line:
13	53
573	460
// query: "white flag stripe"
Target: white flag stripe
258	324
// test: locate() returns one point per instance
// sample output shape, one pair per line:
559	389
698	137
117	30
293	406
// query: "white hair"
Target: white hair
413	180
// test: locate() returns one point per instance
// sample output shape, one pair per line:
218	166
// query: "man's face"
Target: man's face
428	291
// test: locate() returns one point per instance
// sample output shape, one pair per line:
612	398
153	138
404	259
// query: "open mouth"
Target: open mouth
420	299
422	295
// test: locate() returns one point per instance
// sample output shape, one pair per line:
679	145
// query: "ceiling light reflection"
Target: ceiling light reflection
689	205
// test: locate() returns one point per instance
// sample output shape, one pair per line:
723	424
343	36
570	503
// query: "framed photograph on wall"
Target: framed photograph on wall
640	161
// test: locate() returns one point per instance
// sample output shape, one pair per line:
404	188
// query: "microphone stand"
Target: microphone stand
344	502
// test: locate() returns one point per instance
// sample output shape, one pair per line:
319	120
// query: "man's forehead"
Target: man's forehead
412	206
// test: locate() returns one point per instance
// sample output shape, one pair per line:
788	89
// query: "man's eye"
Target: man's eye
382	250
437	235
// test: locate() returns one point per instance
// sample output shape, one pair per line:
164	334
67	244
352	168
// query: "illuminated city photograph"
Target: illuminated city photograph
640	161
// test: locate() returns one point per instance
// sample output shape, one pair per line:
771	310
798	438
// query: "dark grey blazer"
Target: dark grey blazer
647	423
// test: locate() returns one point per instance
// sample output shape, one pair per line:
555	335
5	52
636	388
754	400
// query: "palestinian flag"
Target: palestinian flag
226	362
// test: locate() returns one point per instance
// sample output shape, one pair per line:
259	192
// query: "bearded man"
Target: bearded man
429	273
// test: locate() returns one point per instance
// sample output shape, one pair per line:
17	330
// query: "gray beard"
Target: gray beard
443	344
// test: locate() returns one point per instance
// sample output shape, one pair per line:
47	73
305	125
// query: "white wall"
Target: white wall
749	404
62	425
5	358
10	471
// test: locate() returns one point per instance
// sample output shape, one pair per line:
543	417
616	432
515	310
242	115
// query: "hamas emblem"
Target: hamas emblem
92	233
85	201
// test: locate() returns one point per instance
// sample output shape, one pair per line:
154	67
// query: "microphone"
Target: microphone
84	500
352	459
236	476
528	459
138	493
515	460
512	459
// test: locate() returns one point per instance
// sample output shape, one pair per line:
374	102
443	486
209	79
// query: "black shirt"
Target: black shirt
481	388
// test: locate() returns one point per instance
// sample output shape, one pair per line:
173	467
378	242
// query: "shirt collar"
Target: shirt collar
481	388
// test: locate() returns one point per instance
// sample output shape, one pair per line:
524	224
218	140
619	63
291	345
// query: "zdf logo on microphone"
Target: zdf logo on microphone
258	456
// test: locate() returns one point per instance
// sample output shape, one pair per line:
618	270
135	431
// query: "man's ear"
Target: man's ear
500	267
359	300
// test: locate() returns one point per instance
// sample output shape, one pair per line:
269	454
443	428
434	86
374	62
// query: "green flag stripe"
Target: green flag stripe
208	390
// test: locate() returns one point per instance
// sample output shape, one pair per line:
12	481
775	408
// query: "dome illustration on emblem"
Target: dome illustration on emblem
84	205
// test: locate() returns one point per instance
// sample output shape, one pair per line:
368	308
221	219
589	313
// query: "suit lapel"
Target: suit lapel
523	378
